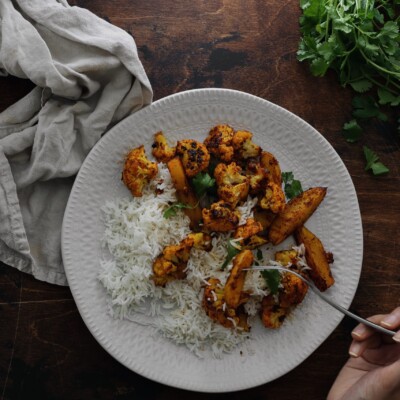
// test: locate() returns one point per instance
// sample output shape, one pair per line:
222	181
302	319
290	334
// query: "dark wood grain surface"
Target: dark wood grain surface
46	351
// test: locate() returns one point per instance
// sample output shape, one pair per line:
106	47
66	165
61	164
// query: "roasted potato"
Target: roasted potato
234	285
317	258
264	217
216	308
184	192
138	171
295	214
161	150
271	164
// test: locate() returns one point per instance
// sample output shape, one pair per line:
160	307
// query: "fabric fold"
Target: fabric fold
89	77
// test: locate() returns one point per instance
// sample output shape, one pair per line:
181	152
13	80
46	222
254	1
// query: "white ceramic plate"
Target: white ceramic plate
299	148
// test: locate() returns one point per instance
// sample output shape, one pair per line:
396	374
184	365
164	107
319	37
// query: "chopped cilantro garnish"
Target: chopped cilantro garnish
232	249
172	209
202	182
272	279
292	186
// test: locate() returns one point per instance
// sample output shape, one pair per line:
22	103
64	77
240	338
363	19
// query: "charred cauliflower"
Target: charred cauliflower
161	151
194	156
233	187
257	176
172	262
220	217
273	199
219	142
248	234
138	171
243	145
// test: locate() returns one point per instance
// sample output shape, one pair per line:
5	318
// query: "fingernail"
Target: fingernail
354	350
396	337
359	331
389	320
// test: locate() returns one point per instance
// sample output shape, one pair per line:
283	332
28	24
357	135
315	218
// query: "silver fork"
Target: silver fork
326	299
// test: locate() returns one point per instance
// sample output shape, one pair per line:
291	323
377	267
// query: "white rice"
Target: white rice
135	234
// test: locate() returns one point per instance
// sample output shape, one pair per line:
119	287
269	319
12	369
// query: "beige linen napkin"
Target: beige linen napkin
88	76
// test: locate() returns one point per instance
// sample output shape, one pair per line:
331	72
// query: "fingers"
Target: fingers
391	321
358	347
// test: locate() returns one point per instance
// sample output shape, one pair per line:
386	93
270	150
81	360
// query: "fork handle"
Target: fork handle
352	315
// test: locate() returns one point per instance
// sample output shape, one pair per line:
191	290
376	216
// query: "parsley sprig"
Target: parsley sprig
292	186
360	41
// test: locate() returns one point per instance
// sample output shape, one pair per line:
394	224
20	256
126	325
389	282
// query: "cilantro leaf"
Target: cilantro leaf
272	279
202	182
373	162
232	250
292	186
172	209
352	131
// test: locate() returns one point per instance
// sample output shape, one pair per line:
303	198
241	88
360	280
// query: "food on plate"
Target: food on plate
200	216
295	214
233	290
184	192
233	186
194	156
161	150
317	258
275	309
138	171
172	263
220	217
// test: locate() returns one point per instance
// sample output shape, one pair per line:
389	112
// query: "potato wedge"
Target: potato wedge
234	284
271	164
316	257
295	214
184	192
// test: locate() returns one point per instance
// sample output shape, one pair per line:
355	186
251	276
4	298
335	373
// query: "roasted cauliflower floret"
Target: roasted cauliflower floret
257	176
161	151
273	199
233	187
276	308
172	262
138	171
219	142
220	217
194	156
293	291
243	145
248	234
272	315
216	308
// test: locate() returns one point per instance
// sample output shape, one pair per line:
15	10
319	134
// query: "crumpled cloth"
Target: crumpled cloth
88	76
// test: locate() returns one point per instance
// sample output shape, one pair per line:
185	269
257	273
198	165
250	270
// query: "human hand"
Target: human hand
373	370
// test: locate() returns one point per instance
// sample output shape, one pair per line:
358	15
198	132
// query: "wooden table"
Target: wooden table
46	351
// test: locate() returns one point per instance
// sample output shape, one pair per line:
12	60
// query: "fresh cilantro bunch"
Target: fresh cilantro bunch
360	40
